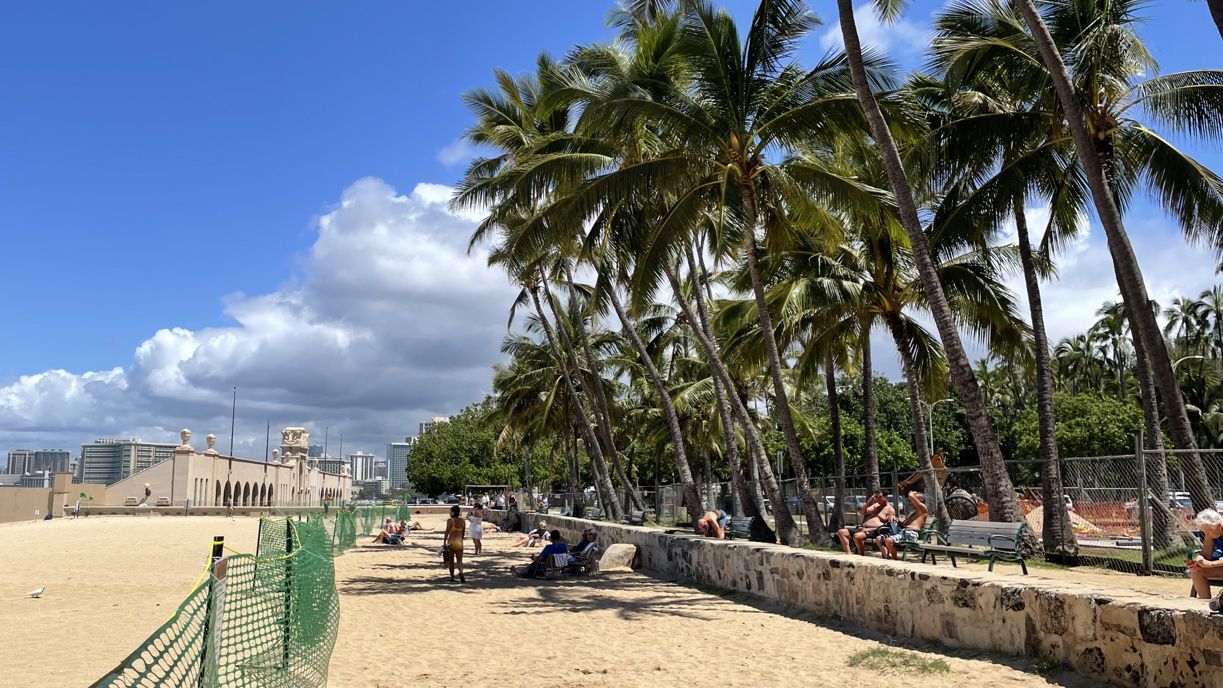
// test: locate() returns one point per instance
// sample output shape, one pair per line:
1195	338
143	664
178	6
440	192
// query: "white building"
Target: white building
362	465
428	425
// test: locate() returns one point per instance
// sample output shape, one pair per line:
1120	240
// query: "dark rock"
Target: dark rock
1012	599
1091	661
1157	626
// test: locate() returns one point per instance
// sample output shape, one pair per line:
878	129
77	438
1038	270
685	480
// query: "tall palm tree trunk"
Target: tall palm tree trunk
787	529
679	454
781	405
1216	13
574	468
870	450
1133	289
751	501
999	491
838	449
1163	522
607	492
931	487
602	408
1057	531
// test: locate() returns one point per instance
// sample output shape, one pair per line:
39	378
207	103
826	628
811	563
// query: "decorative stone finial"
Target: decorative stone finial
275	456
211	439
186	435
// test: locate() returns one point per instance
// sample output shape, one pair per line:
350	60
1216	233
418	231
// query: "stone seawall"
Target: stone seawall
1110	635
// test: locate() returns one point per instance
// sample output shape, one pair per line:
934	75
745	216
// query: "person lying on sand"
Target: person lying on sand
532	537
713	524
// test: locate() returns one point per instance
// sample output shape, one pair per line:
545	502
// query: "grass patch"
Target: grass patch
897	661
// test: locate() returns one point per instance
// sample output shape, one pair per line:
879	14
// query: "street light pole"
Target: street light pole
930	425
233	415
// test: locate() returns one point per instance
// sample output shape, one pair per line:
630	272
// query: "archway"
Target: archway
246	494
270	495
216	500
228	496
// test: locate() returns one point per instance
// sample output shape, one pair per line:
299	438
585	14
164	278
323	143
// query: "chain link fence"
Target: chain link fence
1113	525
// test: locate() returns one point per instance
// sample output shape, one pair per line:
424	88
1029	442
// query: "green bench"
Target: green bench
977	540
739	527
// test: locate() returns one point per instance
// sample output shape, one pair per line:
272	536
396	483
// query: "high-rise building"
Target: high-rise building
397	454
314	451
109	460
331	465
20	461
362	465
52	460
380	470
429	425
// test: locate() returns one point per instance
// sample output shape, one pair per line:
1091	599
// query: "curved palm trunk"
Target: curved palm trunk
1163	521
787	530
869	447
679	454
751	501
602	409
838	449
781	405
1129	274
932	488
999	491
606	492
1057	531
1216	13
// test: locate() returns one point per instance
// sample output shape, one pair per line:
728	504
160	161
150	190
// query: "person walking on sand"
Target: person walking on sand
476	518
452	552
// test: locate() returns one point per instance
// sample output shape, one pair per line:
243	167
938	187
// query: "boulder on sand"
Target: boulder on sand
618	556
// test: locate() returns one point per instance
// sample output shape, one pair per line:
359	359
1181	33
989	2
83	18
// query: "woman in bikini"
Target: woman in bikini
452	552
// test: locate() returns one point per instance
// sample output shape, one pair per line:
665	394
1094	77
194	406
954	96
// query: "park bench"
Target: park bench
163	501
596	514
739	527
131	501
636	518
926	535
977	540
566	511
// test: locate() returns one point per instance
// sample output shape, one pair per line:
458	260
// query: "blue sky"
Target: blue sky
168	165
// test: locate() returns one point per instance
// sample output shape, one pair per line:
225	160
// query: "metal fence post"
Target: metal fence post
895	486
218	551
288	590
1144	504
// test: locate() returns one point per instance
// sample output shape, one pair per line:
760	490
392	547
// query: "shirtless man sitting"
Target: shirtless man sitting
910	528
875	512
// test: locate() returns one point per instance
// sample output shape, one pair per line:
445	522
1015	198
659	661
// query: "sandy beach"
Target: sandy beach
403	623
111	581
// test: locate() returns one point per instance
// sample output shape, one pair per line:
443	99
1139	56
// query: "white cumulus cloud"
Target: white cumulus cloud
900	37
390	321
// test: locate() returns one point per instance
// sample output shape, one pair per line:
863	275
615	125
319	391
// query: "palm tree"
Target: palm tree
1116	151
999	491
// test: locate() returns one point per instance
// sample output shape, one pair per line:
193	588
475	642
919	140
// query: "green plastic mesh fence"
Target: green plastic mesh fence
267	620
